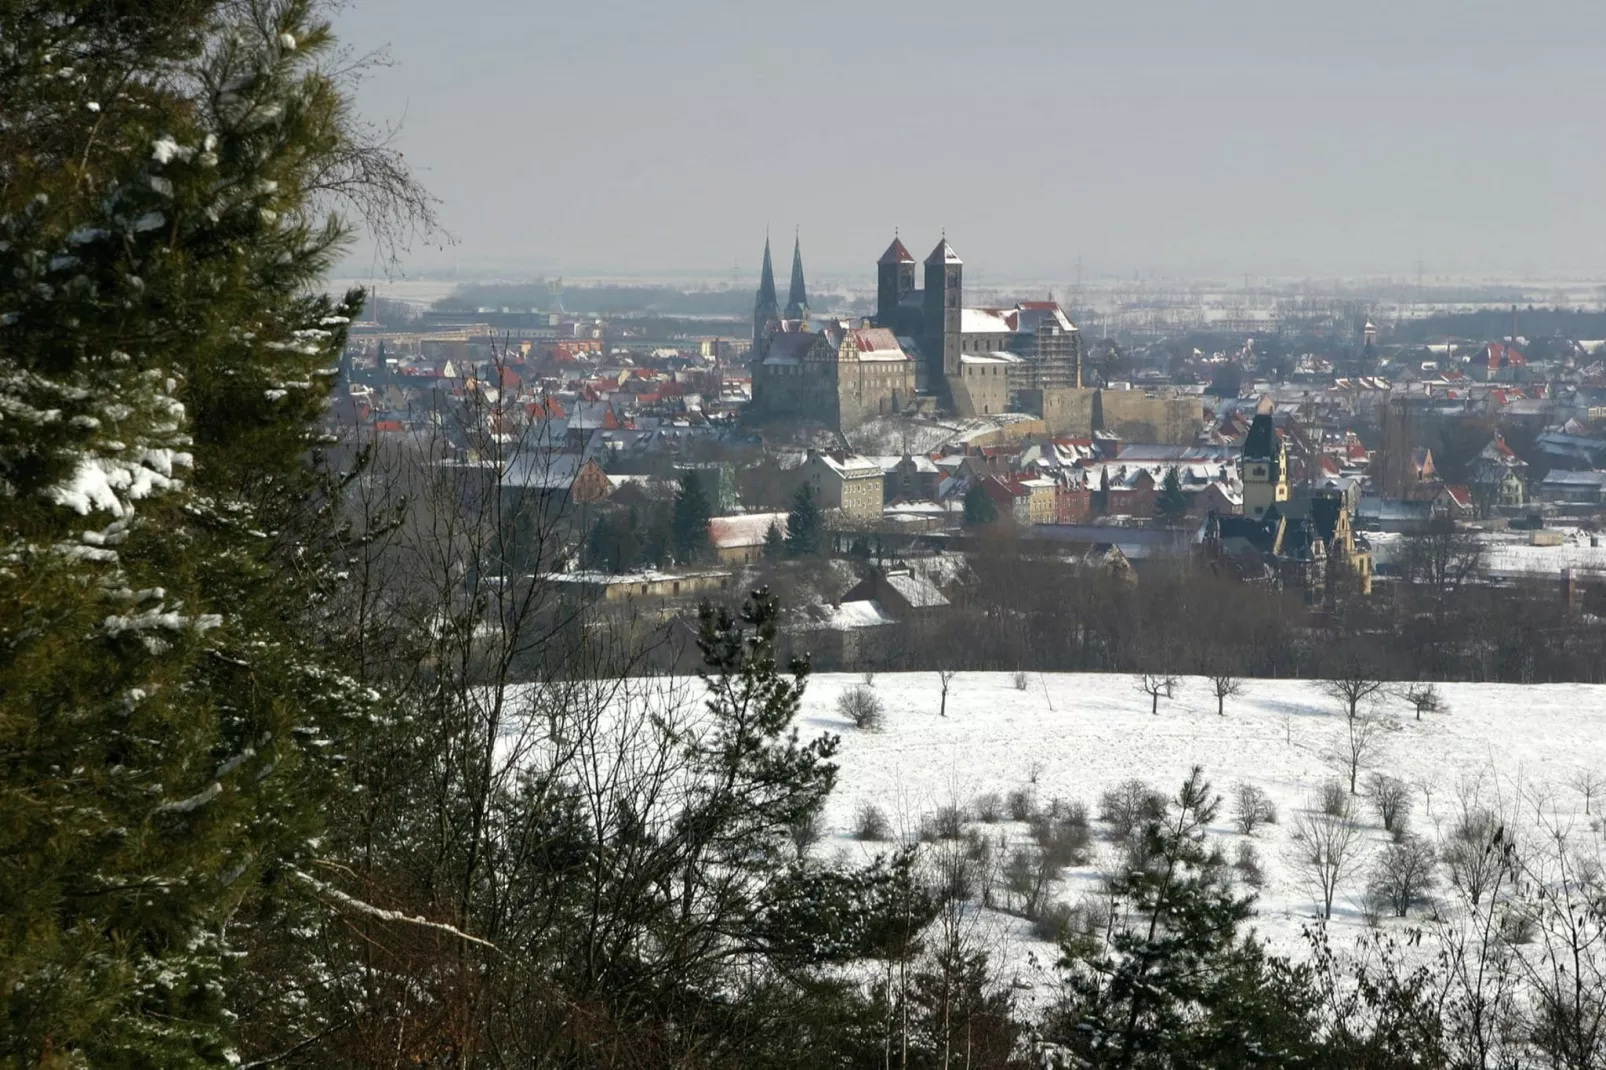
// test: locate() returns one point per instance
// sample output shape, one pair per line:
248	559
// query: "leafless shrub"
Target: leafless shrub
871	824
1129	806
1251	808
805	833
1479	854
988	807
1027	878
946	823
1022	681
1062	833
1053	922
869	678
1332	799
1391	800
863	707
1403	875
1022	804
1248	865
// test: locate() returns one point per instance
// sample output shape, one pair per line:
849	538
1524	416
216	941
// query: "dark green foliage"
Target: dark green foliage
162	696
689	524
979	508
1172	504
1177	986
774	542
805	526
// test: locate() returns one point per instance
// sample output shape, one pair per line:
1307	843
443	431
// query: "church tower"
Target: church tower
767	309
944	297
895	278
1265	467
797	301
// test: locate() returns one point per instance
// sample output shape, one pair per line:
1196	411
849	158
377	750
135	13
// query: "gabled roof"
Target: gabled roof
896	254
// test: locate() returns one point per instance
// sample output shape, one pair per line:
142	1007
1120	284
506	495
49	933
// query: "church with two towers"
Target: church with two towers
922	348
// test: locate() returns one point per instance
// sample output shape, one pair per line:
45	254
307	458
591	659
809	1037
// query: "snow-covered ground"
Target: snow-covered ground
1075	735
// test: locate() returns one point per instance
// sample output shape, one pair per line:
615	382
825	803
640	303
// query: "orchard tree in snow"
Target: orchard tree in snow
1353	687
945	680
1225	685
1325	852
1424	698
1357	748
1155	685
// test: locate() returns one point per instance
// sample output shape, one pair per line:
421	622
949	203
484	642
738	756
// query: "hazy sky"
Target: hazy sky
1188	137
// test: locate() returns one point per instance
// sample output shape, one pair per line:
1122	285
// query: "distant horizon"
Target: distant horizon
1168	138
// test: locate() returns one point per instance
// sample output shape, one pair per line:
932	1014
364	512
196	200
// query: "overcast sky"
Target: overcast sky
1187	137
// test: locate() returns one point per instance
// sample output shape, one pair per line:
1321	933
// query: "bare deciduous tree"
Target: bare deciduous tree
1424	698
1356	748
1325	853
1251	808
1224	686
945	679
1353	688
1154	685
1589	783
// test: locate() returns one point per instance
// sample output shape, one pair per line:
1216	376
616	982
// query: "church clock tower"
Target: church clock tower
1265	467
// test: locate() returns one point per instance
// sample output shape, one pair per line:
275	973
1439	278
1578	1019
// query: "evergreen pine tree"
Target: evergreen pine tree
804	524
774	542
1176	985
163	694
1171	505
690	521
979	508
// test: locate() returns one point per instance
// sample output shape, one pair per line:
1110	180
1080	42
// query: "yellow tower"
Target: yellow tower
1265	467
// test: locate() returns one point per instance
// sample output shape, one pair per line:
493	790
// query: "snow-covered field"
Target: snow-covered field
1075	735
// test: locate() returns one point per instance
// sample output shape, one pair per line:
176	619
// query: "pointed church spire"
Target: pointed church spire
767	308
797	302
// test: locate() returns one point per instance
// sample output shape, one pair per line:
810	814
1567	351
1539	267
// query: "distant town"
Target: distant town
1291	451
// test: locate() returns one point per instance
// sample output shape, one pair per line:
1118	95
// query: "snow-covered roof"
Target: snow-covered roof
985	321
849	464
733	532
851	615
917	591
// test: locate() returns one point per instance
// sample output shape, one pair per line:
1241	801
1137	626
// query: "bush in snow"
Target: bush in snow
1022	804
989	808
1403	875
1129	806
1333	798
1251	808
1391	799
805	833
947	823
862	706
1054	921
871	824
1062	833
1021	681
1248	865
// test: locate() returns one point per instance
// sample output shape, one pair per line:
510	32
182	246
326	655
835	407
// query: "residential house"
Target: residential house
845	481
1573	487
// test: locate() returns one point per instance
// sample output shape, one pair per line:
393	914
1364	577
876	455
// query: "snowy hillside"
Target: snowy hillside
1517	749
